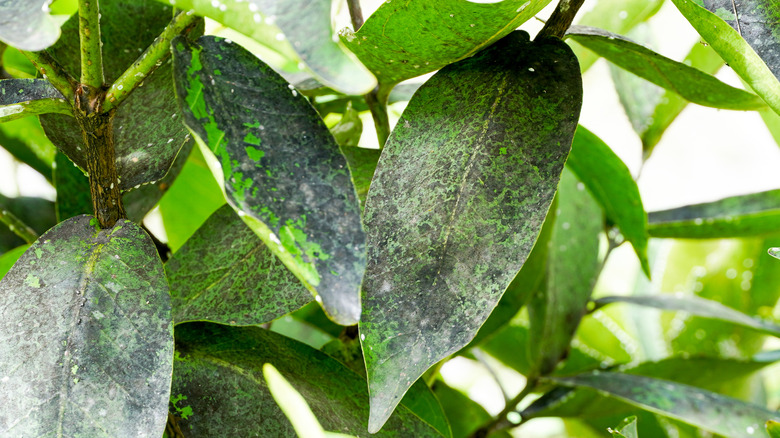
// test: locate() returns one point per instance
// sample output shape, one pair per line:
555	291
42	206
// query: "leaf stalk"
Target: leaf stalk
17	226
500	422
561	19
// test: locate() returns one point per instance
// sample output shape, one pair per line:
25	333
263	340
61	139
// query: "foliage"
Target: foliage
307	279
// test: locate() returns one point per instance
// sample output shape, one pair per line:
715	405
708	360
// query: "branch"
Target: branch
377	103
500	422
355	13
91	53
52	71
17	226
148	62
561	19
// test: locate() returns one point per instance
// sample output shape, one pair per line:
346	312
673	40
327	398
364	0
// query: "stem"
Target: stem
377	103
482	358
355	13
17	226
561	19
91	53
148	62
172	427
500	422
54	73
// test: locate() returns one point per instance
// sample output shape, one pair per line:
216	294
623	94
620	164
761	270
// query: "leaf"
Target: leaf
94	355
709	411
627	429
348	130
282	169
611	184
572	268
73	193
773	428
362	164
735	216
402	40
305	23
25	140
147	131
37	213
693	85
459	197
465	415
27	97
734	50
225	274
217	374
696	306
8	258
27	24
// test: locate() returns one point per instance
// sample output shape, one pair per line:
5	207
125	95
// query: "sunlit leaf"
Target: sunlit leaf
27	24
8	258
626	429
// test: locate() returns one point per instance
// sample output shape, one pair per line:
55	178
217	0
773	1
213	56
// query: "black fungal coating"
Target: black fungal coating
14	91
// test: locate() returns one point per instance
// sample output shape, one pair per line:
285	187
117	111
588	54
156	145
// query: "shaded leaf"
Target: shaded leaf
694	85
225	274
27	24
282	169
25	140
95	304
735	216
73	193
612	186
707	410
27	97
305	23
147	131
459	197
402	40
626	429
8	258
37	213
218	375
465	415
362	164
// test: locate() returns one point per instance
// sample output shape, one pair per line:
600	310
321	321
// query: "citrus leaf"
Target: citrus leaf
94	355
362	164
693	85
26	141
217	376
27	24
36	213
460	194
28	97
465	415
773	428
401	40
627	429
225	274
282	169
8	258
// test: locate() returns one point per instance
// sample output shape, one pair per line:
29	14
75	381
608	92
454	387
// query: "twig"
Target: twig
54	73
561	19
377	103
355	13
91	52
481	357
148	62
500	421
17	226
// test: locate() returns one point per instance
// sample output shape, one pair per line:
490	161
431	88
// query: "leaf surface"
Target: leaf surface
94	355
773	428
27	24
282	169
26	141
460	194
465	415
27	97
405	39
218	376
626	429
8	258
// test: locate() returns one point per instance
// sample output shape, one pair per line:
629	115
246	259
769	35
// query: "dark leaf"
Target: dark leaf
27	24
283	171
22	90
37	213
73	194
94	354
458	200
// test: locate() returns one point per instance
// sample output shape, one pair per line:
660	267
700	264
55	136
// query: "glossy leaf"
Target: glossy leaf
736	216
225	274
27	24
734	50
692	84
26	141
572	268
459	197
402	40
305	23
282	169
217	375
626	429
465	415
147	131
709	411
612	186
8	258
94	304
696	306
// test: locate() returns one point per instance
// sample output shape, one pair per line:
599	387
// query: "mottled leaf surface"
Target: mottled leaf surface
225	274
219	371
735	216
94	354
572	268
716	413
307	26
460	194
612	186
27	25
148	132
404	39
282	169
694	85
20	90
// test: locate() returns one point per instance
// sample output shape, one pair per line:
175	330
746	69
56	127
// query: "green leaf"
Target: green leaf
282	169
348	130
693	85
773	428
28	97
94	355
626	429
707	410
572	268
362	164
736	216
612	186
147	131
27	24
465	415
696	306
225	274
36	213
305	23
459	197
734	50
8	258
217	375
405	39
25	140
73	193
